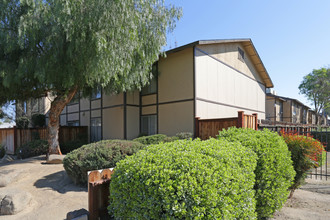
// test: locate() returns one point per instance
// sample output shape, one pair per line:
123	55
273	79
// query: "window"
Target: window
152	86
149	124
35	105
73	123
75	99
24	107
96	93
240	54
96	129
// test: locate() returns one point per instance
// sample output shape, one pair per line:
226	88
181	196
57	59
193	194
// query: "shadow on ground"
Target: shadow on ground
59	182
20	161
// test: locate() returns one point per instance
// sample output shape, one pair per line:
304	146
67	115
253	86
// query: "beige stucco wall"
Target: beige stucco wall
73	108
176	117
73	116
111	100
133	122
133	97
149	110
113	123
96	113
218	84
175	79
84	104
96	103
149	99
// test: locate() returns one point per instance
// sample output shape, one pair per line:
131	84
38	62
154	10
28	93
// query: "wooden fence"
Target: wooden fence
206	128
13	138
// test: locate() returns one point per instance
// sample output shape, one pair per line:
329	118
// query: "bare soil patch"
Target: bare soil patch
311	201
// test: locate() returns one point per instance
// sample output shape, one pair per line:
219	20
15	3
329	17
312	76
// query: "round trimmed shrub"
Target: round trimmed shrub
33	148
274	171
151	139
99	155
185	179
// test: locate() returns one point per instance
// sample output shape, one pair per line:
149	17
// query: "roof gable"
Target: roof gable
248	47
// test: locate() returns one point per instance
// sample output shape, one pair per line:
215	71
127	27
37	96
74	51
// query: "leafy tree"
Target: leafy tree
59	47
316	86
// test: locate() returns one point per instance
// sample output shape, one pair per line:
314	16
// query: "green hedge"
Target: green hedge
33	148
274	171
99	155
185	179
152	139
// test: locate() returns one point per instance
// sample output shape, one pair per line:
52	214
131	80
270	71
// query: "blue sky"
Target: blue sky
292	37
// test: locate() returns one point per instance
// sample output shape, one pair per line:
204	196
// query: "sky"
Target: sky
292	37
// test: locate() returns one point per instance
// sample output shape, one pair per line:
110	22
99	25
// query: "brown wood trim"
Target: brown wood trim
217	119
125	115
154	93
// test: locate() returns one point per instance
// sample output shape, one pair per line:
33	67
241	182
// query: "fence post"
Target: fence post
240	119
196	127
98	193
256	121
15	138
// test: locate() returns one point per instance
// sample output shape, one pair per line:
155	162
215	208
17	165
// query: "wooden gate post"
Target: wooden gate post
256	121
240	119
98	193
15	139
197	127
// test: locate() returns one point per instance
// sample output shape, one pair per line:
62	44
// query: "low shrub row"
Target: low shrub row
33	148
274	171
158	138
99	155
245	174
185	179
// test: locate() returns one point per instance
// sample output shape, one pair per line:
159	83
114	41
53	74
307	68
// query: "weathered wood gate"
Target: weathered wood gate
206	128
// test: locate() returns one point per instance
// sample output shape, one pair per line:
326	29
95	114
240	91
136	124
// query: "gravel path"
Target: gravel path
53	193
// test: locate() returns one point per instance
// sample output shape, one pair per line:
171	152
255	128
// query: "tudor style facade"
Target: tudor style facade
205	79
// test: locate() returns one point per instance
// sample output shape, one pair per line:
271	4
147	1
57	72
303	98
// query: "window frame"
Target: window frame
96	93
149	125
99	136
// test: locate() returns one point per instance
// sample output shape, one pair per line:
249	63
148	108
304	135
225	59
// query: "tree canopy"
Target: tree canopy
316	87
65	46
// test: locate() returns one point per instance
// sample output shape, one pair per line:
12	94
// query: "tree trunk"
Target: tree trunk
55	110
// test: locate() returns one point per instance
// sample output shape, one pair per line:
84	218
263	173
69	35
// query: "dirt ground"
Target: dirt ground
53	193
311	201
